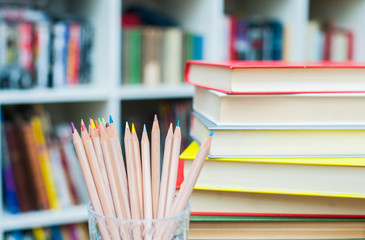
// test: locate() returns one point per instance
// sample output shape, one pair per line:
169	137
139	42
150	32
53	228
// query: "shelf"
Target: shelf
29	220
141	92
59	95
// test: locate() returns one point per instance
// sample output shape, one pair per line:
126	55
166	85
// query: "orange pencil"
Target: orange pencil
155	165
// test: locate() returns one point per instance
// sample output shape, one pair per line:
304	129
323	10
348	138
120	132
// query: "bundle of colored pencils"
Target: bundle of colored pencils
139	190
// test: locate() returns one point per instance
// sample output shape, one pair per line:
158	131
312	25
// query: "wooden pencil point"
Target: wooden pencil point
73	127
82	125
92	123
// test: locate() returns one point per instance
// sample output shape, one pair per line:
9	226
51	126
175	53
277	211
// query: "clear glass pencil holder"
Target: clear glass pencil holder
174	227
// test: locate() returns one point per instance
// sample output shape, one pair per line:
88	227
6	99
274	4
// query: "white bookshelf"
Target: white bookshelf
106	94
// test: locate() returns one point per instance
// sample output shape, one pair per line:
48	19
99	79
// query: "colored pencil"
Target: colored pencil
146	170
132	181
187	187
93	163
119	171
112	175
155	165
165	173
174	163
138	167
90	183
120	154
101	163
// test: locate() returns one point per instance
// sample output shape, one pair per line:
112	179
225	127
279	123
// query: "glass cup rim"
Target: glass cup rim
177	216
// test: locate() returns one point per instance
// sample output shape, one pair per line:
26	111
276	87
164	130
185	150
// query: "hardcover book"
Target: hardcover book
279	141
280	109
276	77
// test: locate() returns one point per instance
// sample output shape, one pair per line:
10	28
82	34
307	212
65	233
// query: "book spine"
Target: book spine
59	54
135	56
350	37
25	43
45	163
233	36
39	234
23	182
10	195
35	168
73	54
58	173
43	53
3	43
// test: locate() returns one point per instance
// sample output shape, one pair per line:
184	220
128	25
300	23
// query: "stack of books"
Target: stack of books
287	157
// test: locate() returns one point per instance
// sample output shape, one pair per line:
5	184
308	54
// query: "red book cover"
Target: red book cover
73	63
276	77
25	45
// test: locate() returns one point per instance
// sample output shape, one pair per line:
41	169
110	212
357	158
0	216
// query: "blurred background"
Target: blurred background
63	60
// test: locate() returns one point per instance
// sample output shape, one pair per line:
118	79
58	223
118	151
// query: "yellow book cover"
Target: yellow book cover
39	234
45	163
326	177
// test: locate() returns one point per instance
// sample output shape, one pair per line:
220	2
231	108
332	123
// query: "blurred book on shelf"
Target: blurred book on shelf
155	48
256	39
40	168
77	231
327	41
38	50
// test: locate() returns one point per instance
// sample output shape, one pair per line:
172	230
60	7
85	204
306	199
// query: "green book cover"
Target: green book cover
135	39
220	218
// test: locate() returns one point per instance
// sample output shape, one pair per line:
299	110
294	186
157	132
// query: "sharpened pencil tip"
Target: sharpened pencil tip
170	126
178	123
101	126
107	125
92	123
144	128
82	125
99	121
126	125
96	124
133	129
110	119
155	117
104	122
73	127
211	134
